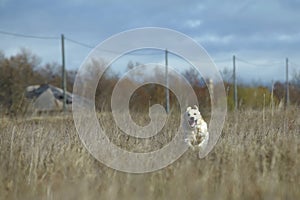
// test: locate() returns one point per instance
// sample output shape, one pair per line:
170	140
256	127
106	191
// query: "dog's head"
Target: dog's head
192	115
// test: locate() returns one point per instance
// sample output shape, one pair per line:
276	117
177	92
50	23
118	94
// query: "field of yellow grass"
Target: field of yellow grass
256	157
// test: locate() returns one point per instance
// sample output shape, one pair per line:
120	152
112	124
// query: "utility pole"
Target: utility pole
272	99
235	85
287	92
63	74
167	83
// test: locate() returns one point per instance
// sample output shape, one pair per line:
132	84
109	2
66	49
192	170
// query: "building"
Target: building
47	98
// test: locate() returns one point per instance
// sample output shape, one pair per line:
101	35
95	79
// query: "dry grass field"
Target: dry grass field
257	157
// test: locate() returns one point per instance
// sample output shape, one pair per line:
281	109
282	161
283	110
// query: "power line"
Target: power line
294	64
222	60
259	65
294	68
155	52
28	36
134	52
79	43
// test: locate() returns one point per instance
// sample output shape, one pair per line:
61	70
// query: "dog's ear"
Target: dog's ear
188	109
196	107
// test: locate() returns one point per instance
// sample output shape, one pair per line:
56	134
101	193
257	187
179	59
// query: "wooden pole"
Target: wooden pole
235	85
63	75
167	83
287	98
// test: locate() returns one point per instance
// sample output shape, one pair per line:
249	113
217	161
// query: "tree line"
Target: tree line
21	70
24	69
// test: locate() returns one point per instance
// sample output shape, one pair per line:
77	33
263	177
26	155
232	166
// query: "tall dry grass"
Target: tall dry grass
257	157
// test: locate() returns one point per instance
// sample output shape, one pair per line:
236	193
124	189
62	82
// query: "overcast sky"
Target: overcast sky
262	33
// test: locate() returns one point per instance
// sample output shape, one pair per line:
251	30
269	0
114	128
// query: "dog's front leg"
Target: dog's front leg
189	142
204	141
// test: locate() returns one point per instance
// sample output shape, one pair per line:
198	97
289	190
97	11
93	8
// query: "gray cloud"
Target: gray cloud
249	28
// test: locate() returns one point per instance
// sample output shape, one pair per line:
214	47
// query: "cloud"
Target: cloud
193	23
3	3
250	28
215	39
288	37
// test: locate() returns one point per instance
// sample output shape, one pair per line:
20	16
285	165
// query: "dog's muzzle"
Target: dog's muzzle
192	122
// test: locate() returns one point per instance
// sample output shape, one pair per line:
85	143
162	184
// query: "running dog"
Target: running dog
195	128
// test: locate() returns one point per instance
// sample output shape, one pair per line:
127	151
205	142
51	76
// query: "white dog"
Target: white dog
195	128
